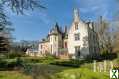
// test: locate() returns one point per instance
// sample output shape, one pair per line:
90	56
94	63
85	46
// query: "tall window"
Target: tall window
77	36
65	45
50	38
41	46
55	38
51	48
76	26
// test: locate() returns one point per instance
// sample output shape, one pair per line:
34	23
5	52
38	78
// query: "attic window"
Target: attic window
76	26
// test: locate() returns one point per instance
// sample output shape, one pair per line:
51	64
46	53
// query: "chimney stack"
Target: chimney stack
65	29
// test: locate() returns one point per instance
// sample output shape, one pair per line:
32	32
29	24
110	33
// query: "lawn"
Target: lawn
13	75
80	73
55	72
42	69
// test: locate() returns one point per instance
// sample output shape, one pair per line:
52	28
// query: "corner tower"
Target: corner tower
55	40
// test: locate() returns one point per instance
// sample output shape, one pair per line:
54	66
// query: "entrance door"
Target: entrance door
77	51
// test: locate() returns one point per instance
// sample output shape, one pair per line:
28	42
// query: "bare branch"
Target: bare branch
19	6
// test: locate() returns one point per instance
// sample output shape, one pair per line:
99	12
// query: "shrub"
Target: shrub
19	62
49	56
10	64
70	63
27	68
14	55
46	60
32	60
3	64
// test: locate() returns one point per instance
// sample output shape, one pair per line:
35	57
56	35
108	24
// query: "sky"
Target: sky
35	25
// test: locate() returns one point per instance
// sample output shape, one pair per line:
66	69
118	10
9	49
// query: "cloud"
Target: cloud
95	7
89	9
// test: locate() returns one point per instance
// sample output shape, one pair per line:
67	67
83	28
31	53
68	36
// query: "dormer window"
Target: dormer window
76	26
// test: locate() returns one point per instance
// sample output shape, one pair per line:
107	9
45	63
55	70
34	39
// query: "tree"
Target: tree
20	5
23	45
116	38
4	31
105	36
17	6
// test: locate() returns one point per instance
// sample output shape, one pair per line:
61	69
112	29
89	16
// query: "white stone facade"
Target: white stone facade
80	41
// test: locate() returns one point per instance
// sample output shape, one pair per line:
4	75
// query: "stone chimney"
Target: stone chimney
65	29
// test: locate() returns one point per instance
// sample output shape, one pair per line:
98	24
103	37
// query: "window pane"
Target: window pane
76	26
77	50
77	36
65	45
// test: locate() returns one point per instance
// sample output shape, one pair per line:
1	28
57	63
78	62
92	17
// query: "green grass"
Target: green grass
56	72
13	75
59	72
80	73
43	69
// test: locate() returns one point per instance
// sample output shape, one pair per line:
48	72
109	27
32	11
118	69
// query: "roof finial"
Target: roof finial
76	15
76	11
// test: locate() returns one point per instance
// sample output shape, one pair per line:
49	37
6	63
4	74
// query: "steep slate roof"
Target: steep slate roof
55	30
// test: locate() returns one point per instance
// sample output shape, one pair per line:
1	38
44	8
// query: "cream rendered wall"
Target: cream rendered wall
56	42
83	30
39	48
65	40
53	44
45	48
